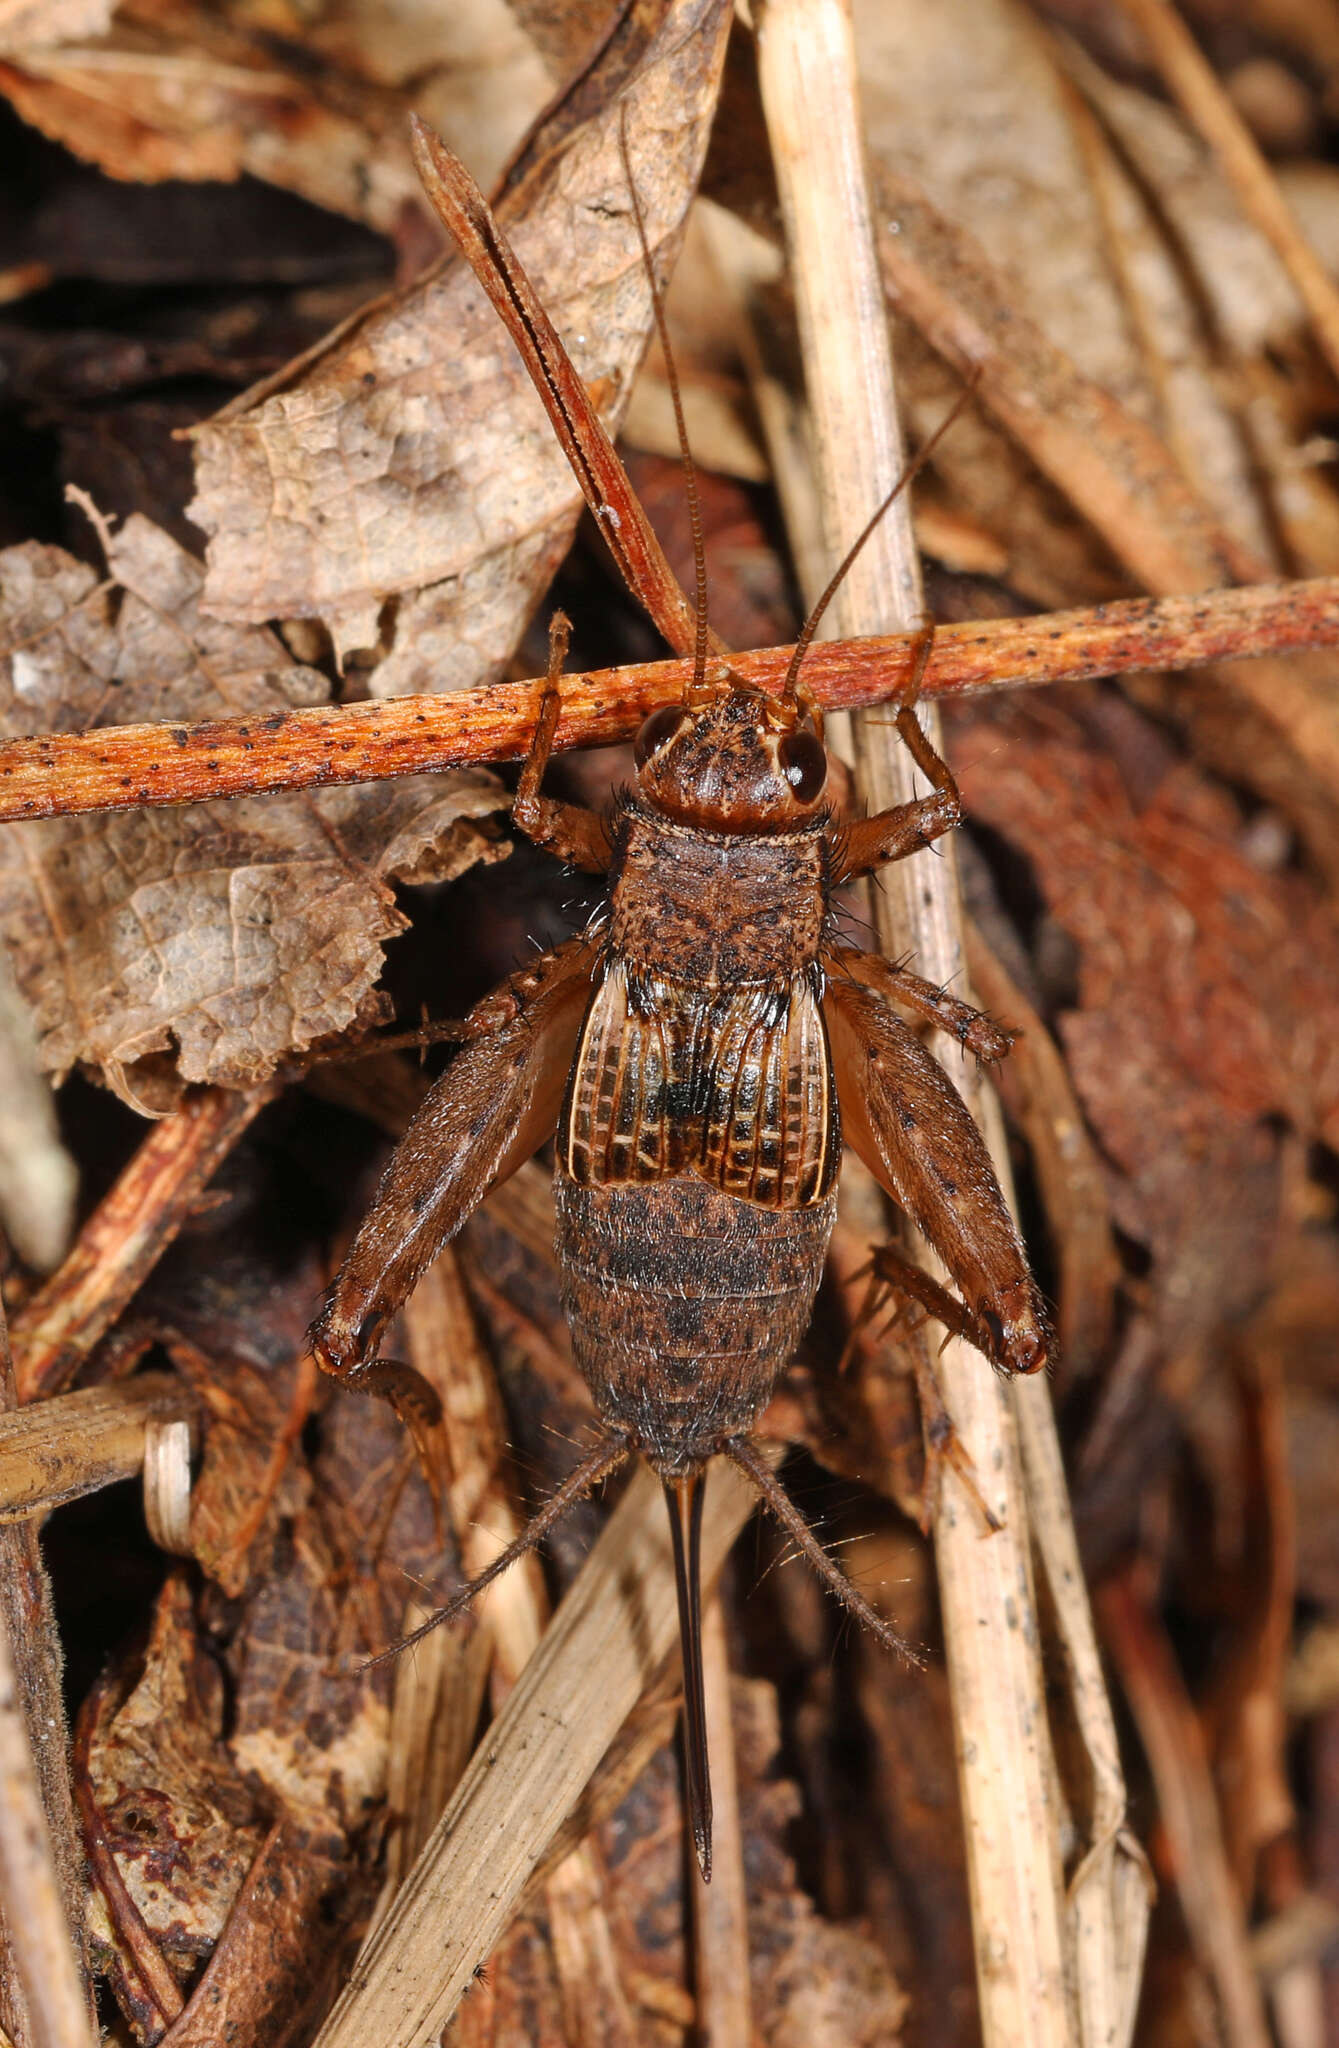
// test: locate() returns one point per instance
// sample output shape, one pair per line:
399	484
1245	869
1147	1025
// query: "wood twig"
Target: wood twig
54	1451
126	1236
117	768
30	1892
45	1999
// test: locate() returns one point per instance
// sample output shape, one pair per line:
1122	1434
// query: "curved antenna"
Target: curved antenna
689	466
744	1453
604	1458
918	462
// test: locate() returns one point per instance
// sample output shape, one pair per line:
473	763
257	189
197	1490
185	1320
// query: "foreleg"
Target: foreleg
904	1117
973	1029
871	843
576	834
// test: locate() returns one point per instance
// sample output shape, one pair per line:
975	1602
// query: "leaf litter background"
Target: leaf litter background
216	228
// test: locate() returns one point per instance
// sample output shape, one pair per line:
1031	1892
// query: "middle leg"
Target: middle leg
973	1029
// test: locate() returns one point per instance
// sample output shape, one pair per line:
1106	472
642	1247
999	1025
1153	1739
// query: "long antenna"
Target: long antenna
686	453
918	462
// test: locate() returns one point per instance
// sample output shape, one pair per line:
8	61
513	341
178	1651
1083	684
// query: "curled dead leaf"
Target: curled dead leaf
209	92
231	934
405	485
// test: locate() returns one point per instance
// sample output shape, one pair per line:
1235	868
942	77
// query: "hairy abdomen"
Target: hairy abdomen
685	1304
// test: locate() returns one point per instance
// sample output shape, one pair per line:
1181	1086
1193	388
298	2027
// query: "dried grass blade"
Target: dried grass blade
608	1638
1025	1940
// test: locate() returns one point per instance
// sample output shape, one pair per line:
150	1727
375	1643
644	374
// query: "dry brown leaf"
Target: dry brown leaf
815	1984
175	1813
1205	984
175	89
406	486
313	1736
273	1966
238	932
175	1820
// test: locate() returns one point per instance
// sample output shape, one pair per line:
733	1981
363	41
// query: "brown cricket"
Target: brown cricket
699	1054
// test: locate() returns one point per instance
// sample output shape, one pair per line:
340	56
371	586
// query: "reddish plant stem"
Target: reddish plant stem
126	1236
124	767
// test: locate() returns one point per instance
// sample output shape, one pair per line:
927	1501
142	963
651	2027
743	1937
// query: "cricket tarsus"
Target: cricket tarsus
684	1499
576	834
698	1058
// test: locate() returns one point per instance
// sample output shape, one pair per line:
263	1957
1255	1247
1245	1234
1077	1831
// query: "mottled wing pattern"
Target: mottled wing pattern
734	1085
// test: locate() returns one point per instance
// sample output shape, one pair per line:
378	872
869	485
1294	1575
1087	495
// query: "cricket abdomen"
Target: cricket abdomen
685	1306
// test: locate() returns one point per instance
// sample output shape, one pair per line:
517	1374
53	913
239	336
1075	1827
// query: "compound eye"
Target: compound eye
804	763
659	727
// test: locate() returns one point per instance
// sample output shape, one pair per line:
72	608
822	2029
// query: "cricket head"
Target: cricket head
741	761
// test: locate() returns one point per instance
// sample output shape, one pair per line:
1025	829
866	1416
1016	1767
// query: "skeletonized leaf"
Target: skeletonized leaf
237	933
405	486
